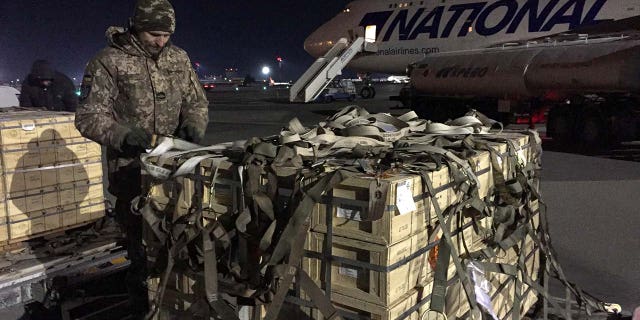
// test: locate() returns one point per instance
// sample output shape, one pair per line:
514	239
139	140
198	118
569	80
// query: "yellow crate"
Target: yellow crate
90	209
88	189
405	270
21	203
350	201
69	215
225	190
62	173
52	220
18	156
4	232
502	286
25	228
36	127
350	205
367	310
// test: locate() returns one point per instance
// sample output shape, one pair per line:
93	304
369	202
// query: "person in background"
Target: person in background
139	85
47	88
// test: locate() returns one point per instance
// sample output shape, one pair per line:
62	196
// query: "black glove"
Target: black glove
190	133
136	141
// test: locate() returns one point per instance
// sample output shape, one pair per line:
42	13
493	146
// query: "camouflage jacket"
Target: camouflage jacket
124	86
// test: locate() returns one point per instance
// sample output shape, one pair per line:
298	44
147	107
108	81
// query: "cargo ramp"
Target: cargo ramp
327	67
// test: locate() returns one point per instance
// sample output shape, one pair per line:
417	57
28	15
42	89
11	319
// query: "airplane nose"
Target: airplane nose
320	41
316	46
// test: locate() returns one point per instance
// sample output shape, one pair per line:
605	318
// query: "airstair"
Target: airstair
326	68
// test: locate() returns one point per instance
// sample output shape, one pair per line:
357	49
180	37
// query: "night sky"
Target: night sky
217	34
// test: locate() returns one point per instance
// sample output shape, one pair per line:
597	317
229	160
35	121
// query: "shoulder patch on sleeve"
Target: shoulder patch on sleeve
85	88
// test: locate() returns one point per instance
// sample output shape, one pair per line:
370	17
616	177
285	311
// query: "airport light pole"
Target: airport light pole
265	71
279	60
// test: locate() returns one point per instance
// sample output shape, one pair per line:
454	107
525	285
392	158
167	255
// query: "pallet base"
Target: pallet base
17	244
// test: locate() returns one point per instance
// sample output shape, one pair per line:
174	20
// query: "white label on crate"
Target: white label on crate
499	158
28	126
349	272
404	198
348	213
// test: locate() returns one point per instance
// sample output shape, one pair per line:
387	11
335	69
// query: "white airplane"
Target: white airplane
577	61
273	83
406	31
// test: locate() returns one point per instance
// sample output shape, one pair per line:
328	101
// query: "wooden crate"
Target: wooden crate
350	205
502	286
350	200
404	267
219	197
380	287
22	127
31	178
351	308
36	223
182	290
49	174
36	155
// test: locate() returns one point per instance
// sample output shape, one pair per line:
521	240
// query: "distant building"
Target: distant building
231	73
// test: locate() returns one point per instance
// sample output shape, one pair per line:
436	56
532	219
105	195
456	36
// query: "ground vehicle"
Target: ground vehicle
590	86
342	89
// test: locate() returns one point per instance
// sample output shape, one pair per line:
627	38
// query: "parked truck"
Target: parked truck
585	88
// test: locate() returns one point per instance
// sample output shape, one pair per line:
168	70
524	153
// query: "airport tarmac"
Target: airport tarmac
593	202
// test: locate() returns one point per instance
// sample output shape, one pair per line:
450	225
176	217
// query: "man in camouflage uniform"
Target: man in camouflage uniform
138	86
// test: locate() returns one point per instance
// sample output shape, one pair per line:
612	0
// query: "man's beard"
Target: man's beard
153	50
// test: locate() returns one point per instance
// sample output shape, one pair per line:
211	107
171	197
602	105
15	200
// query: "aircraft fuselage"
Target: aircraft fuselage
407	31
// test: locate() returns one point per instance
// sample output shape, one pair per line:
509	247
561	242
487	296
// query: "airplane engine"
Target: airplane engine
534	70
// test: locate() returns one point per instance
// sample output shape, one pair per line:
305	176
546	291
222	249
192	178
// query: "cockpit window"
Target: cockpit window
346	10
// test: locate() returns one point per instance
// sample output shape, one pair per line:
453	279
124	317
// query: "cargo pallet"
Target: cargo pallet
15	244
32	280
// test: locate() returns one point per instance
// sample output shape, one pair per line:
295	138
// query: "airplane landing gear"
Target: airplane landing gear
367	92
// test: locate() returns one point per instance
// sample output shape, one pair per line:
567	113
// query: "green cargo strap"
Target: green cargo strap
184	239
317	296
504	217
291	269
164	153
470	174
220	308
439	291
445	227
517	299
581	296
302	212
500	183
503	268
377	199
185	230
516	236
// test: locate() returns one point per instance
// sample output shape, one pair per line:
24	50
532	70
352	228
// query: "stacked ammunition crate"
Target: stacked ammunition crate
384	269
372	265
51	175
